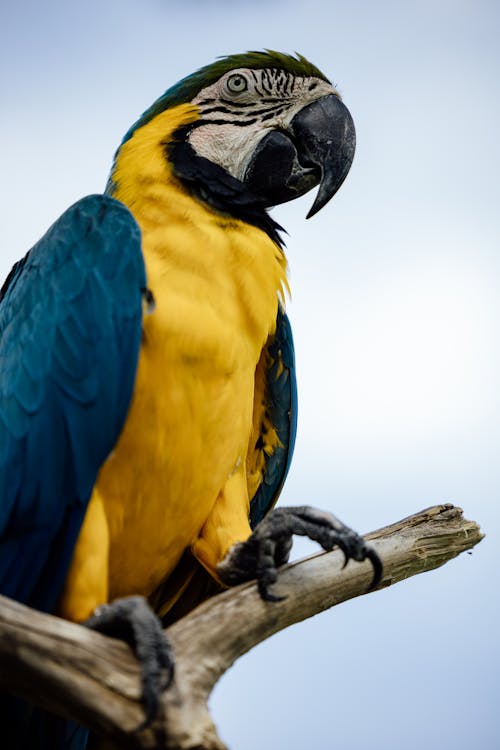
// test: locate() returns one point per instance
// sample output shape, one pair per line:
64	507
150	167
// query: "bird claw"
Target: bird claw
133	621
269	546
267	596
377	566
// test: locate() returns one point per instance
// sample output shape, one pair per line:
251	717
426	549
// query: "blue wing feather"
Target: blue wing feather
70	331
281	392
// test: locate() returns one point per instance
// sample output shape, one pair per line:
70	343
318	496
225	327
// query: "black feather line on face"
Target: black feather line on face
212	184
246	105
241	123
252	110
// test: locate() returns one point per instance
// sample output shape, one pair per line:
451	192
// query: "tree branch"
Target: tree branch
85	676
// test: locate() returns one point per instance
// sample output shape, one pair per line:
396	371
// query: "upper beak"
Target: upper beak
326	134
317	149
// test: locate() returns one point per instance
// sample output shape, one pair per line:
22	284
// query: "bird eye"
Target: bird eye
237	83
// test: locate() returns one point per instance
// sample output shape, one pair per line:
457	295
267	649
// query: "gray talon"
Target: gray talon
133	621
270	544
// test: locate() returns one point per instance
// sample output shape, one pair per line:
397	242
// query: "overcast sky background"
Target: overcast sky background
395	311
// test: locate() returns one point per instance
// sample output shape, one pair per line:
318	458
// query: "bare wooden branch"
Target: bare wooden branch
82	675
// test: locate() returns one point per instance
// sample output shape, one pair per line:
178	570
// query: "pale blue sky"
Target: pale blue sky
395	311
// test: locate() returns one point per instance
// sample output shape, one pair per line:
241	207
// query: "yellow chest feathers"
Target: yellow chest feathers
216	280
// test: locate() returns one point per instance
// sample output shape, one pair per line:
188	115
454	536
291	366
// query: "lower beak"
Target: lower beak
317	149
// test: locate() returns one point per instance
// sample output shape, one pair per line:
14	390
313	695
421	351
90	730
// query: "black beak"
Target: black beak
325	131
319	149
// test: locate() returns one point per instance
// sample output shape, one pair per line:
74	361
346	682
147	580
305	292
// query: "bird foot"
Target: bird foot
133	621
270	544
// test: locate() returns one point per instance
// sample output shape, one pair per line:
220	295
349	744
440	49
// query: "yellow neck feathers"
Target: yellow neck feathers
228	255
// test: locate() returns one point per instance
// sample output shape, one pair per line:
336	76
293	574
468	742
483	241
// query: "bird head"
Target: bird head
269	128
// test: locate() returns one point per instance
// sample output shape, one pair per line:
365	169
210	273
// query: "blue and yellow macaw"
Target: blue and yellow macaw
147	388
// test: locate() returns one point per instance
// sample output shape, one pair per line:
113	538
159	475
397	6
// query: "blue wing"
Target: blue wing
70	331
280	396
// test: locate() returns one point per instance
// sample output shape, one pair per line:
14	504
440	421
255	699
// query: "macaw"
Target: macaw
147	390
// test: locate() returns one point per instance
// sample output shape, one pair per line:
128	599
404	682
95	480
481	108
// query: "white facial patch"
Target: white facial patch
240	108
